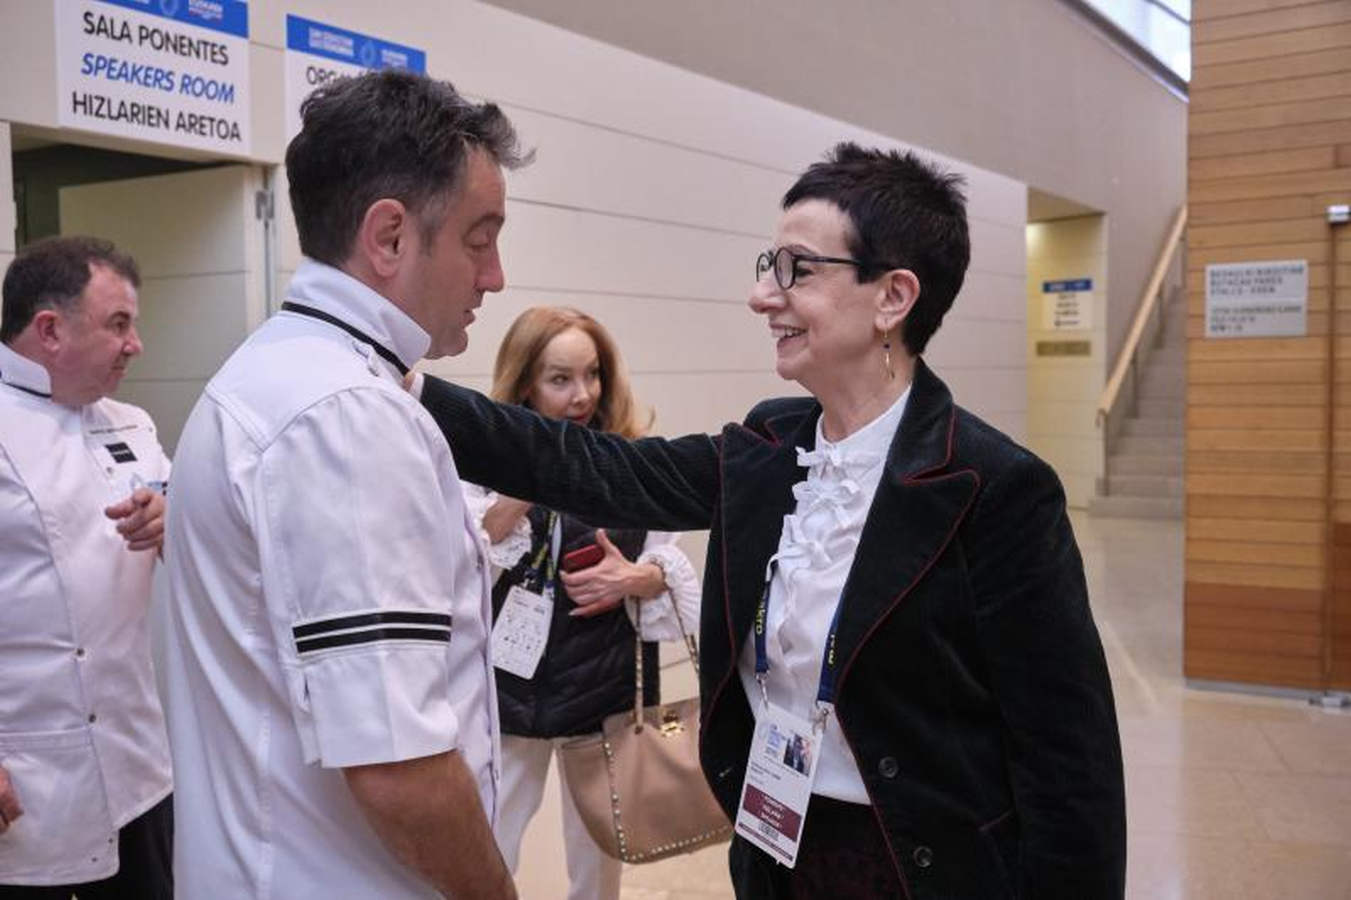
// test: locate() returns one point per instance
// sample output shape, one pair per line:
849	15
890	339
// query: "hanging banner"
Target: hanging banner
168	71
1258	299
317	53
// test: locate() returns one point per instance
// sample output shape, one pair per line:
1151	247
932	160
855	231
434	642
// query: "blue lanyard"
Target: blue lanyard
825	693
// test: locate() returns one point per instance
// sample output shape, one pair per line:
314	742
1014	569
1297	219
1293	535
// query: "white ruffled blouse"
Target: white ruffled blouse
816	552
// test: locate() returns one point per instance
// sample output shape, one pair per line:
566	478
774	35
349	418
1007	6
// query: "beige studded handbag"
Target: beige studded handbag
637	785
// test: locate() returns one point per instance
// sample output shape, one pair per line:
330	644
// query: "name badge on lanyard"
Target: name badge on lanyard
781	768
521	631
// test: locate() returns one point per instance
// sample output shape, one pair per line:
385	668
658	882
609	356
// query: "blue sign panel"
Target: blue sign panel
1065	287
341	45
226	16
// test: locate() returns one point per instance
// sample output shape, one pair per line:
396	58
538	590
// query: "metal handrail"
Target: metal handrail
1148	300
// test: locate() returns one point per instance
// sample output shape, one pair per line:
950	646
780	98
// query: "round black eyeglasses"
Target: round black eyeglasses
783	262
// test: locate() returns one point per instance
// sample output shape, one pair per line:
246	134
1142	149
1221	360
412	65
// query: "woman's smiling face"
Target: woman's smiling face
825	324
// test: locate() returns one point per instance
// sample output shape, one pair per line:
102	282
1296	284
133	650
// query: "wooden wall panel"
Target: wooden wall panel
1261	139
1299	65
1269	46
1268	464
1341	606
1267	209
1286	90
1270	185
1264	22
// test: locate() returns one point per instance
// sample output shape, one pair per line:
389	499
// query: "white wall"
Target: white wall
1063	390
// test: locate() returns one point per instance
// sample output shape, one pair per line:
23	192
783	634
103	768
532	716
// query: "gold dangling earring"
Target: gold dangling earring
886	355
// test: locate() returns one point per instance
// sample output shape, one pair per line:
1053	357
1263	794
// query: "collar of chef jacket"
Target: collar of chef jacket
338	294
23	373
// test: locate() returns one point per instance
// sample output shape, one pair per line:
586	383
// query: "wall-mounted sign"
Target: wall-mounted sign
317	53
1064	348
1067	305
169	71
1258	299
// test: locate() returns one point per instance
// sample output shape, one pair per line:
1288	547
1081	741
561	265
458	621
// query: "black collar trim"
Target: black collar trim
19	387
388	354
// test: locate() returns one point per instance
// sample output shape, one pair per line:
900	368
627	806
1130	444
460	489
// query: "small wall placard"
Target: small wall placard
1258	299
1064	348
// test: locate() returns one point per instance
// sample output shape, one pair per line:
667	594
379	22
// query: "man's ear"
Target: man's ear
899	291
50	328
384	238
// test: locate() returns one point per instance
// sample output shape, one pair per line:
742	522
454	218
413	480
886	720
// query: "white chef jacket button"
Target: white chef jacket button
79	652
92	718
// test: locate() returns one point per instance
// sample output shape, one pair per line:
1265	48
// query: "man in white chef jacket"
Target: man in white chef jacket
84	761
330	693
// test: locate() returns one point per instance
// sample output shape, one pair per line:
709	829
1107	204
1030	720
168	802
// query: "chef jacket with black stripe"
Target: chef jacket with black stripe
81	731
329	603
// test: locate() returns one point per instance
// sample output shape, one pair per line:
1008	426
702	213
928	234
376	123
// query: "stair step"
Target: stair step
1152	445
1154	426
1145	485
1136	507
1145	464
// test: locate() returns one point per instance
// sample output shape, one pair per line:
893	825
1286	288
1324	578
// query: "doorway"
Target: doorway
1066	336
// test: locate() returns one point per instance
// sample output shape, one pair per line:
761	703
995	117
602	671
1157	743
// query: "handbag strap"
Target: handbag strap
691	646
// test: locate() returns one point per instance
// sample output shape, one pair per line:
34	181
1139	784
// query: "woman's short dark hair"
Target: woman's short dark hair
389	134
52	274
906	214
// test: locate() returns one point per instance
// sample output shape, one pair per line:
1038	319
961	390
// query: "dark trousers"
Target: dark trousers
145	871
843	856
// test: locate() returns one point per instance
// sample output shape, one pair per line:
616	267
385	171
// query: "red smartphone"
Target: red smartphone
582	558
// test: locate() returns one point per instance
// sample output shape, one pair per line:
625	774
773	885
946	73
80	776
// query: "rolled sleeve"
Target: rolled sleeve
355	552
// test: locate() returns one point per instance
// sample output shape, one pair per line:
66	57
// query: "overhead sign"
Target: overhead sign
1067	305
1258	299
317	53
168	71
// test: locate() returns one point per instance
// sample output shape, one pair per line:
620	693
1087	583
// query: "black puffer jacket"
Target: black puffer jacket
587	669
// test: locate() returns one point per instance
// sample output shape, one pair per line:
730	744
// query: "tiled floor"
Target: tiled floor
1229	796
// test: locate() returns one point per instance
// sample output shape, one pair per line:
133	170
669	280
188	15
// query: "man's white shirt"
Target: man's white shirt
81	731
329	604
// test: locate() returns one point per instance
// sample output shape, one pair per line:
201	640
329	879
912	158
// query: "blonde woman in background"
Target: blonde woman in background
563	364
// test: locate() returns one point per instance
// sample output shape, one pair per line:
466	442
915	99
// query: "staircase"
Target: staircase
1144	463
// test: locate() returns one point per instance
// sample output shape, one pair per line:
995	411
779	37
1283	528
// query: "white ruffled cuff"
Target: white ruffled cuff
507	552
682	593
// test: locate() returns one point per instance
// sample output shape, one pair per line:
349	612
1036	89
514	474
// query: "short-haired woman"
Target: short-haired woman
888	577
